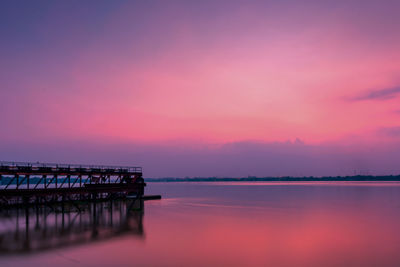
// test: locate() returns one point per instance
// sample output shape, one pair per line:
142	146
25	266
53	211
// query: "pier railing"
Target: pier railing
8	165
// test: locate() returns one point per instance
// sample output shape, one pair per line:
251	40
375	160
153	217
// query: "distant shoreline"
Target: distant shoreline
358	178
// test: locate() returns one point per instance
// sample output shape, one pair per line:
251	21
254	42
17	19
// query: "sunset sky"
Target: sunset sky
203	88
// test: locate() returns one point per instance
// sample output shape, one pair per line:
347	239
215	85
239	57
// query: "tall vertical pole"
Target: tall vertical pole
111	213
27	241
37	213
63	213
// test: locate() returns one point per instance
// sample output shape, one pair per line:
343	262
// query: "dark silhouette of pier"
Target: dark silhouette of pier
37	183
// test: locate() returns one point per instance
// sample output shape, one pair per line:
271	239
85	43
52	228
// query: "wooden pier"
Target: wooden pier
24	183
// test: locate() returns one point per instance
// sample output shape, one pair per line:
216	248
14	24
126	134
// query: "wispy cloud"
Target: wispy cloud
390	131
380	94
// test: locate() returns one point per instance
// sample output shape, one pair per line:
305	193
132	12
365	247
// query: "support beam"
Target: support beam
40	180
12	180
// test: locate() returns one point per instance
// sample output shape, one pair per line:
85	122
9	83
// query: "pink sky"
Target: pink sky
199	75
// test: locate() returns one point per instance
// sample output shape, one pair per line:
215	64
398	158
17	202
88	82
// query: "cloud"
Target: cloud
381	94
390	131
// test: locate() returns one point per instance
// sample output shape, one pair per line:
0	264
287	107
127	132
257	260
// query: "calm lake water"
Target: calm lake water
216	224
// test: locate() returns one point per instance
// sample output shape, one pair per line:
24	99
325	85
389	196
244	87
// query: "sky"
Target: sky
203	88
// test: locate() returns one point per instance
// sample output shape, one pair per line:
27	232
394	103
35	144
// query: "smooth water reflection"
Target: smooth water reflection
245	224
47	227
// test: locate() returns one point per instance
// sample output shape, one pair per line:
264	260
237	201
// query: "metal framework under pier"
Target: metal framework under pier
25	183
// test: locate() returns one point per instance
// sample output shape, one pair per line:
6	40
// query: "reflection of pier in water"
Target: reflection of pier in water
47	227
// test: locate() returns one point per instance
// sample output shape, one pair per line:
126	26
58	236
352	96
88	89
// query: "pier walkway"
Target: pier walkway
25	183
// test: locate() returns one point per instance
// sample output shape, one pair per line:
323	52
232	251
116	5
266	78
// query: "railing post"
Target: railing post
27	181
17	181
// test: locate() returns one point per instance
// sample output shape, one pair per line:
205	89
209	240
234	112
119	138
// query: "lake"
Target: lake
216	224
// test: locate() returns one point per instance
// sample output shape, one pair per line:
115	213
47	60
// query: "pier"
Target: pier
25	183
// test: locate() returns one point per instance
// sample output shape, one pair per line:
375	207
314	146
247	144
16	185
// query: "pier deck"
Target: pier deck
22	182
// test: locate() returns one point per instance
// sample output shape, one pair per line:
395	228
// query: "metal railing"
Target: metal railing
65	166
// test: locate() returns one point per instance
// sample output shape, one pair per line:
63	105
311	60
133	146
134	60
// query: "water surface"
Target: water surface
221	224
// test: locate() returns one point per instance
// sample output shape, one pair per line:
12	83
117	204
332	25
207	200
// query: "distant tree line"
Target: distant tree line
278	179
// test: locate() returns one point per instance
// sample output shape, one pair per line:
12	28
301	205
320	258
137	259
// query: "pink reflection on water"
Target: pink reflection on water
313	238
346	225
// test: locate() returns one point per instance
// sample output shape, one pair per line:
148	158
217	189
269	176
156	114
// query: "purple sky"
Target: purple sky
203	88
